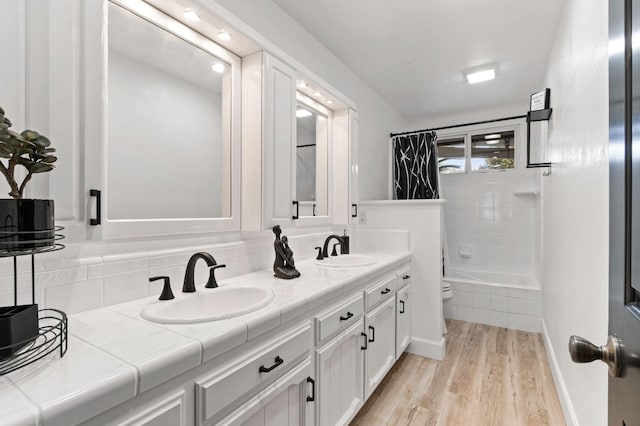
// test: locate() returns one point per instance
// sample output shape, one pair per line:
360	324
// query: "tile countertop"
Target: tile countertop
114	354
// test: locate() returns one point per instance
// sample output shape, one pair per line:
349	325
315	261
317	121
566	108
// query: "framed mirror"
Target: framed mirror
312	157
171	151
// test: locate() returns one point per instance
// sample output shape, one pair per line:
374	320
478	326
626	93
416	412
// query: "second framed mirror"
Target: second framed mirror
313	122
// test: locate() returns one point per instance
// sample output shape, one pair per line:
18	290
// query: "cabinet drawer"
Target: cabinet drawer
259	367
404	275
381	291
338	318
283	402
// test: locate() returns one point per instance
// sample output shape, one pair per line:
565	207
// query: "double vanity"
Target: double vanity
304	351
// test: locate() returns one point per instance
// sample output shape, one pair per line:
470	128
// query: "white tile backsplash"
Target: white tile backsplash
76	297
93	275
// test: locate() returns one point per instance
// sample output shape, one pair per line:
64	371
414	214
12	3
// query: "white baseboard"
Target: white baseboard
427	348
563	394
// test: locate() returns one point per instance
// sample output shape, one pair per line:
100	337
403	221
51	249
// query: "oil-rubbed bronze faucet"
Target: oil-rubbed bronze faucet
342	240
189	285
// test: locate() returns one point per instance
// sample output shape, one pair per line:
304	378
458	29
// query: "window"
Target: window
478	152
451	158
492	151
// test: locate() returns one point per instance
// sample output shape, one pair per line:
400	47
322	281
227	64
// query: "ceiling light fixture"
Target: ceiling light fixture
301	113
218	67
330	101
493	142
493	136
302	84
480	74
191	15
317	94
224	36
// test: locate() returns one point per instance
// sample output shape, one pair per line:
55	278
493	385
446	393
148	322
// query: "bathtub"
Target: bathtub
495	298
499	279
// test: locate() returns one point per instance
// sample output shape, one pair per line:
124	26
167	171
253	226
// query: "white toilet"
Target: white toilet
447	294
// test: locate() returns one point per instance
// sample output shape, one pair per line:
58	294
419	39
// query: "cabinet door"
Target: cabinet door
381	352
403	319
279	106
354	133
290	401
340	365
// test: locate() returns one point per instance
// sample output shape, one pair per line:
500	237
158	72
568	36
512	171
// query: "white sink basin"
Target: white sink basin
346	261
210	305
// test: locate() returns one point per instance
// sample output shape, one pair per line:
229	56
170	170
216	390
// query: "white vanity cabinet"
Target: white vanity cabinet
403	319
289	401
380	355
340	368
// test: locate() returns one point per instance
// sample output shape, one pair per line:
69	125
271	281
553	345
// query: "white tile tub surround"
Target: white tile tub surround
497	305
495	216
93	275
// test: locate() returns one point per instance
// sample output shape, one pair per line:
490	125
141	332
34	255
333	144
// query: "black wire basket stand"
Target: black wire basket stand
53	324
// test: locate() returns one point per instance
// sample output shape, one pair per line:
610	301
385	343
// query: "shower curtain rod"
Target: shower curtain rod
459	125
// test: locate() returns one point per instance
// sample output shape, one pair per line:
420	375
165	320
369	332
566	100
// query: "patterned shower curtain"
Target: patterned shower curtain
415	167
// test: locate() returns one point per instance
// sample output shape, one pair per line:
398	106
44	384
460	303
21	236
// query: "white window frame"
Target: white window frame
510	125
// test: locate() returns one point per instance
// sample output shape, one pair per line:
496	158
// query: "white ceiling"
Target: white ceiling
413	52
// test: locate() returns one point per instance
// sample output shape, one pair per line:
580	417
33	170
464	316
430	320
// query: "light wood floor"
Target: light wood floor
490	376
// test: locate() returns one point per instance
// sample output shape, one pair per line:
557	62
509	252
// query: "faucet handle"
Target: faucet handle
319	256
335	252
167	294
211	282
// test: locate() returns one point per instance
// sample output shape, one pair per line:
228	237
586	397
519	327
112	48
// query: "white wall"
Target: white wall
575	203
154	170
377	117
422	219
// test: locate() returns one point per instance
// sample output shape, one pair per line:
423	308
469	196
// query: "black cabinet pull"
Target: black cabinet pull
355	210
297	215
346	317
98	219
366	338
406	277
373	334
313	390
385	291
314	209
402	306
278	361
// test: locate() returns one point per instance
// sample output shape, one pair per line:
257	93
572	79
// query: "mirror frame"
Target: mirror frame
126	228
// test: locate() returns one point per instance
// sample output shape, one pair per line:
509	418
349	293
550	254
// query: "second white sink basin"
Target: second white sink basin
346	261
210	305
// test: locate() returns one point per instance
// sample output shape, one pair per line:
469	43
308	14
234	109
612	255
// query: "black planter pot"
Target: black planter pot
26	224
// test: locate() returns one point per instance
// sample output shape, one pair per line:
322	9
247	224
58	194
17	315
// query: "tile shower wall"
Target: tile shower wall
493	221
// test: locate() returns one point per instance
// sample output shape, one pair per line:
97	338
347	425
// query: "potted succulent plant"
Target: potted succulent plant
24	223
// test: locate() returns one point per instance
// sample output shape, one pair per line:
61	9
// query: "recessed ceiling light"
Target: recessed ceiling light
301	113
224	36
493	136
191	15
330	101
316	94
218	67
480	74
